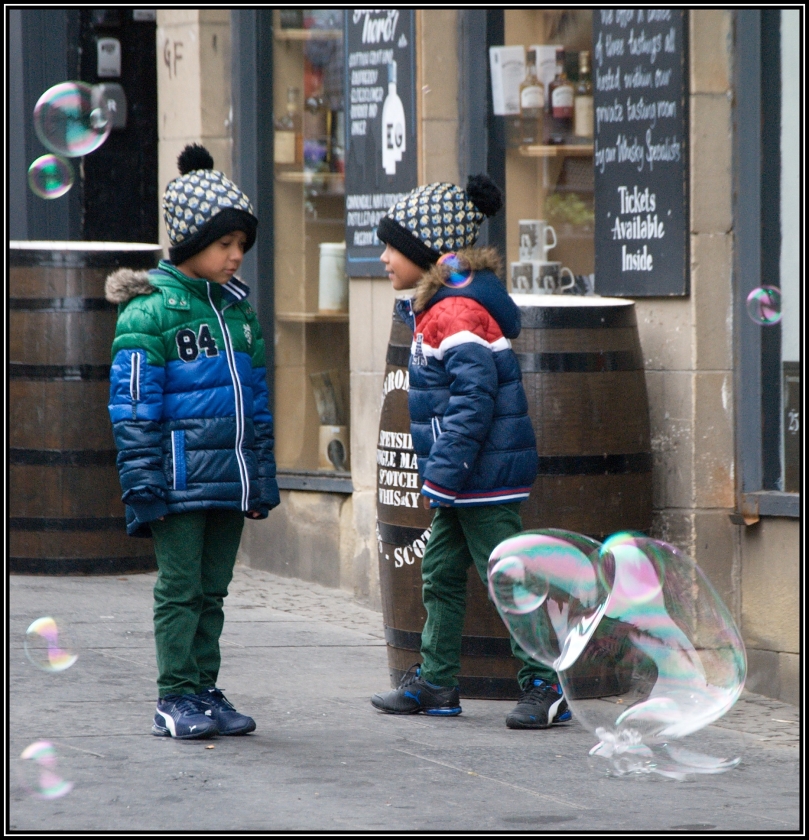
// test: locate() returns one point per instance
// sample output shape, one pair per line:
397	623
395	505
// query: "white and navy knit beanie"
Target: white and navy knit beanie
202	205
439	219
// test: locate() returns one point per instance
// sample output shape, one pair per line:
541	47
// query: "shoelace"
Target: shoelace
185	703
538	692
218	698
411	675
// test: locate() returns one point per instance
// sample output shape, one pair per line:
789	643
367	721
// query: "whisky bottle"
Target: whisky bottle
532	103
393	125
288	141
583	103
561	102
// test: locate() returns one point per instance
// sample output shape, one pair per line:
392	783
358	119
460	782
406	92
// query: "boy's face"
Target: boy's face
403	273
219	261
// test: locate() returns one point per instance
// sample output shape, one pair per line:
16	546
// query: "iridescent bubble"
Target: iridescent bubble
645	650
764	305
47	646
38	772
50	176
69	121
459	272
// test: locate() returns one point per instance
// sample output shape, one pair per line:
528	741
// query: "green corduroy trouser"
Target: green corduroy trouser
196	552
461	536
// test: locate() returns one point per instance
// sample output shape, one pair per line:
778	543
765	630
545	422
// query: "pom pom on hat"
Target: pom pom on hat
194	157
484	194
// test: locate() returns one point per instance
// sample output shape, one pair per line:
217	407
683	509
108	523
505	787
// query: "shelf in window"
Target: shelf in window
313	317
572	150
308	34
297	176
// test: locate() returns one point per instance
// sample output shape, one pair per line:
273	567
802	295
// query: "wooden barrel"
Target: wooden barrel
488	670
582	369
65	509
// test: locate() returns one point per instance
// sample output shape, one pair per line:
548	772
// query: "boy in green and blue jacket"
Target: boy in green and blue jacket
190	416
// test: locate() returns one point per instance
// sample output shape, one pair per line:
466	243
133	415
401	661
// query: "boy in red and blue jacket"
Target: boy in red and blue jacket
471	431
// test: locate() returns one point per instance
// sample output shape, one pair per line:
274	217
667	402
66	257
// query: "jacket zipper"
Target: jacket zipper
237	390
134	383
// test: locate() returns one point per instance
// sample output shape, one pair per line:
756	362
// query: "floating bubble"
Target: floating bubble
764	305
459	272
50	176
645	650
38	773
46	649
69	121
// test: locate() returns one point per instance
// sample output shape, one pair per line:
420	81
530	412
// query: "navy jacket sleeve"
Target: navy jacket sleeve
135	406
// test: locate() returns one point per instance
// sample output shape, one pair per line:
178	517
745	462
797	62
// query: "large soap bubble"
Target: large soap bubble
71	120
645	650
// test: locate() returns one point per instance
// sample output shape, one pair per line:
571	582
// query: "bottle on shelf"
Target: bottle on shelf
289	132
532	104
561	102
393	125
583	103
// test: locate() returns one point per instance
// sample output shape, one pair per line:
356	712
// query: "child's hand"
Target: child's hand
253	514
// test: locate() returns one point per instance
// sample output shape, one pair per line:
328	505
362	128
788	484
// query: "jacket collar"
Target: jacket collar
232	292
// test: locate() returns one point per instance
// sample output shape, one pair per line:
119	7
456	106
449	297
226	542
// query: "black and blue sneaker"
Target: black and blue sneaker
180	716
220	710
541	704
415	695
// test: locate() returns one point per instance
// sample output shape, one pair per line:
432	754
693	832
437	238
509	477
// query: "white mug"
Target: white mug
534	239
551	278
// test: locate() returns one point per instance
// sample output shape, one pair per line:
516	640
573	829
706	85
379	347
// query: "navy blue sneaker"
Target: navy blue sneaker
219	709
180	716
541	705
415	695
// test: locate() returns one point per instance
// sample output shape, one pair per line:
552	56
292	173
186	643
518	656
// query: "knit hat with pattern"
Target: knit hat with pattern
439	218
202	205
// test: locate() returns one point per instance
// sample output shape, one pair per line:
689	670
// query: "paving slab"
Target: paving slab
303	660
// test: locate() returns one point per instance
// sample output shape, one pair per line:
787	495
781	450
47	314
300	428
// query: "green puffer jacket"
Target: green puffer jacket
188	397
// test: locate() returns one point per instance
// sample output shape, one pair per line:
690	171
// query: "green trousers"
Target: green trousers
195	552
461	536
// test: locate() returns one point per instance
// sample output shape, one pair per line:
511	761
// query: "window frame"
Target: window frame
752	499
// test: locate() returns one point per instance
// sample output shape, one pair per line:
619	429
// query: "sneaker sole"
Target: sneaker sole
162	731
243	731
519	724
439	712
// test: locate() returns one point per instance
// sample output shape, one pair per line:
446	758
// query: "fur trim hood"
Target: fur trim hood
125	283
432	281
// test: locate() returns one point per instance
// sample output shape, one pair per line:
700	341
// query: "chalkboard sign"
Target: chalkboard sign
380	127
640	152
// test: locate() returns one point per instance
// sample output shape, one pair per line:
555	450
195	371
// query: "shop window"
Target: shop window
542	96
310	284
767	227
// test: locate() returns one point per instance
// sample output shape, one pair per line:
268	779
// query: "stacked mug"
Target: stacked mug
535	273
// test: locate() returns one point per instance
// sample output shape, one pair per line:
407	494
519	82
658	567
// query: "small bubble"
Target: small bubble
764	305
50	176
38	772
45	648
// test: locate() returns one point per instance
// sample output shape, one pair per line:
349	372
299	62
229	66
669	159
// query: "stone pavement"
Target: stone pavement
303	660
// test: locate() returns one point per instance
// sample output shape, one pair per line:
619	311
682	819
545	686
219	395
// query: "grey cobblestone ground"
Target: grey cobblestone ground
760	718
304	660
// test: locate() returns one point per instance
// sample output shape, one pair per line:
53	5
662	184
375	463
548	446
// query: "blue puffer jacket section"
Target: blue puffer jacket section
469	418
188	436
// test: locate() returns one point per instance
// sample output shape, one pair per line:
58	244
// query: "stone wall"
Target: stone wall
193	89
